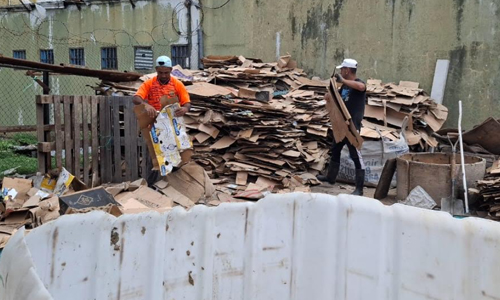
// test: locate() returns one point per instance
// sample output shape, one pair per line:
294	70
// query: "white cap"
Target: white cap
163	61
348	63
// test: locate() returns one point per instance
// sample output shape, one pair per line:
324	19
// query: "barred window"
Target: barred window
77	56
180	56
109	59
47	56
19	54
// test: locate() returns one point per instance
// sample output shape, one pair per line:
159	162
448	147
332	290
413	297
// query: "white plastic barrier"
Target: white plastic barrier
290	246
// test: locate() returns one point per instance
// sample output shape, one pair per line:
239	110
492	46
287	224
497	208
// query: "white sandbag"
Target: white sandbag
375	154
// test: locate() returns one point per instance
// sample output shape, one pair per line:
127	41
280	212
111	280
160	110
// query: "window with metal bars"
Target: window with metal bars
77	56
109	58
143	58
19	54
180	55
47	56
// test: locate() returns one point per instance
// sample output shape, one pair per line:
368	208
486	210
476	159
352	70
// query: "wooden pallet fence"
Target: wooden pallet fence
95	138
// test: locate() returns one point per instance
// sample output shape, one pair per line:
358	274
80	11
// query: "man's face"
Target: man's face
163	74
344	72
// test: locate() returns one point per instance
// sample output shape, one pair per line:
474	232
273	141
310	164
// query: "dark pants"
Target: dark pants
353	153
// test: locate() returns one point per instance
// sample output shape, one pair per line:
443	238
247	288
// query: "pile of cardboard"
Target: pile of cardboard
255	120
389	104
489	189
35	201
252	120
482	140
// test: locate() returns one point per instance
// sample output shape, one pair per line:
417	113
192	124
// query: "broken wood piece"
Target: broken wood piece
385	180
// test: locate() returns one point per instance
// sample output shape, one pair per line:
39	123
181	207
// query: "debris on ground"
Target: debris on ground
489	190
482	140
418	197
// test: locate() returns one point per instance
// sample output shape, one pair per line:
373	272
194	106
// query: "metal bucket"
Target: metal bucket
432	171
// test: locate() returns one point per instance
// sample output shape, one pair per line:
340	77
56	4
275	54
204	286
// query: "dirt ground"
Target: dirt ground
344	188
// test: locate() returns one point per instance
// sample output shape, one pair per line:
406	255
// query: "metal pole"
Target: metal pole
188	4
462	156
46	116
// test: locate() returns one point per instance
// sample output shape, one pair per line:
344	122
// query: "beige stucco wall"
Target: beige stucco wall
392	40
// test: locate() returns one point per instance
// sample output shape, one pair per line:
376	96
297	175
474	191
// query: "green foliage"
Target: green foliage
9	159
23	139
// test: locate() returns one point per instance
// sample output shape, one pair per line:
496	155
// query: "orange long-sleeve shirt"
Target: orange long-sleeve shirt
151	91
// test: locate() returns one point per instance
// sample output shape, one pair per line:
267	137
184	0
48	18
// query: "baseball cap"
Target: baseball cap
348	63
163	61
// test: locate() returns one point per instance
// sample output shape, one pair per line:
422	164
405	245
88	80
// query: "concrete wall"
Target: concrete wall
392	40
100	24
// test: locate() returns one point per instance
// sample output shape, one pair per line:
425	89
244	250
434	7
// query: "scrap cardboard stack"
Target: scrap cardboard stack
262	123
489	189
35	201
267	123
389	104
483	140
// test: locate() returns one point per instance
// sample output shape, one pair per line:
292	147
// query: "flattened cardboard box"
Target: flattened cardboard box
90	198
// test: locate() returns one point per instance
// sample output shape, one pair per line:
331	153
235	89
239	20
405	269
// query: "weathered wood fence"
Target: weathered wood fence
95	138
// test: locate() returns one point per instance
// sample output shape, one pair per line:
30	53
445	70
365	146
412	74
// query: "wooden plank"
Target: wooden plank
102	138
117	161
77	120
44	99
384	182
134	137
46	147
95	141
42	157
86	139
59	135
68	145
129	142
20	128
31	128
144	157
108	164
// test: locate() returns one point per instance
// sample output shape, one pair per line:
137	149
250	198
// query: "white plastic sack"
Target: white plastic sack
375	154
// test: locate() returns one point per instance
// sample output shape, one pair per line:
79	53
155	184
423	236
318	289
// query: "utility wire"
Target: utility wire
217	7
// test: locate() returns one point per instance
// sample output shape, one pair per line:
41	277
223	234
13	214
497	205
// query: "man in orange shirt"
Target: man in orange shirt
163	84
152	90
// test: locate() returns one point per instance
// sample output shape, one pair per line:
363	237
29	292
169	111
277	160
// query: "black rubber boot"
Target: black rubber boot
331	175
360	182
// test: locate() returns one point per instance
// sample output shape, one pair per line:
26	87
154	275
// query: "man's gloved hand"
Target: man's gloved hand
339	78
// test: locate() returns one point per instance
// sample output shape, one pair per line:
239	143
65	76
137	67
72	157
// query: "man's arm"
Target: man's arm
353	84
137	100
151	111
184	99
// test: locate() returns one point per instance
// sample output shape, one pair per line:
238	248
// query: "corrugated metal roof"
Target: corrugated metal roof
290	246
